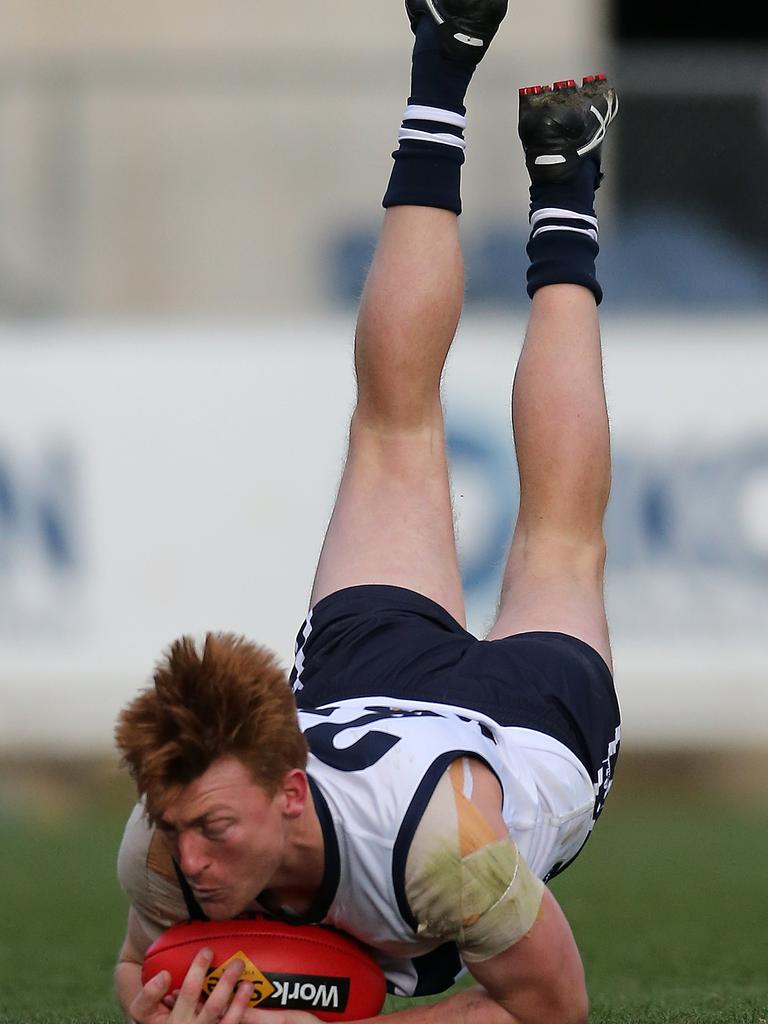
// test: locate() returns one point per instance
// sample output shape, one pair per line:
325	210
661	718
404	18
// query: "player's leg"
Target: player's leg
393	522
554	576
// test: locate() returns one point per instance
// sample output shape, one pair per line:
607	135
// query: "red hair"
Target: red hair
231	698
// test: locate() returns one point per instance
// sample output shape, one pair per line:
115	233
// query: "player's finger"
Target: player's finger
151	995
239	1004
217	1001
189	993
170	999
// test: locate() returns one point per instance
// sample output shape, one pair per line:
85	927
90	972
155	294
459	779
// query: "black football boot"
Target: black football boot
563	124
465	27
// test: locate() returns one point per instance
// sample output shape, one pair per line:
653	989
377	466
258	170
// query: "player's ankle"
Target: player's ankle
563	243
436	79
427	169
577	193
562	128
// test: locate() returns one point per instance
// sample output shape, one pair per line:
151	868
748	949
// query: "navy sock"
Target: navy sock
427	168
563	243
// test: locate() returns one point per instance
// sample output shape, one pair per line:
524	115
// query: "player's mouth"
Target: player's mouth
208	895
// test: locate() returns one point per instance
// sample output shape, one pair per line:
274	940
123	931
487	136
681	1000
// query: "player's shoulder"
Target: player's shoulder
466	804
148	876
142	850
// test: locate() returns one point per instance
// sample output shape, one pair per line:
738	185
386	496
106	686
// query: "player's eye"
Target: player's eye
216	829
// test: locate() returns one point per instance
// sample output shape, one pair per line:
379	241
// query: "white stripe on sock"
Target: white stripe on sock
439	137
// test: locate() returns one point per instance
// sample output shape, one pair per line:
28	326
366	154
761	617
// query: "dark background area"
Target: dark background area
657	22
691	146
685	169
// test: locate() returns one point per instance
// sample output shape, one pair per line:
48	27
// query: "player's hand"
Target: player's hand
153	1004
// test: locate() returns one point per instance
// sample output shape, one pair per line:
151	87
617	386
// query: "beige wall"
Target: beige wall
45	27
187	156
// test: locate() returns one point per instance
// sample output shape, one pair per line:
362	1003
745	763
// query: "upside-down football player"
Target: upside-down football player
447	778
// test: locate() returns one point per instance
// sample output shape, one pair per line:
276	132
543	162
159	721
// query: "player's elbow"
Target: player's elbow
574	1002
556	1003
567	1004
580	1009
576	1009
573	1009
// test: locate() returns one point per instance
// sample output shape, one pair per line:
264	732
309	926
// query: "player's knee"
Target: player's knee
397	430
403	407
569	555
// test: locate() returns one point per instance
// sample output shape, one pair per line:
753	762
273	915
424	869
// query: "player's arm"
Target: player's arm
538	980
540	977
147	876
128	968
467	882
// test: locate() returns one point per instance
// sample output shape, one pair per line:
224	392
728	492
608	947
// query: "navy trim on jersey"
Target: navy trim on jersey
332	872
411	820
433	969
326	894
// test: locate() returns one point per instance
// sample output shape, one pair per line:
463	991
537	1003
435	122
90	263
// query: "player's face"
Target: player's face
228	837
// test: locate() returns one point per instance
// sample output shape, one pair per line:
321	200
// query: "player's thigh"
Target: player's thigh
555	587
393	521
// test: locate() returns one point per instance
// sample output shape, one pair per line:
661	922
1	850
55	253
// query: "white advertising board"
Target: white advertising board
157	481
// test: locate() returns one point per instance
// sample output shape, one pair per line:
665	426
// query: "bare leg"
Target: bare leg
393	521
554	576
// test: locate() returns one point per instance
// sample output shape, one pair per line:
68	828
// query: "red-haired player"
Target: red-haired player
448	777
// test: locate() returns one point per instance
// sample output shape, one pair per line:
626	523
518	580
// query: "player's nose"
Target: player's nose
192	856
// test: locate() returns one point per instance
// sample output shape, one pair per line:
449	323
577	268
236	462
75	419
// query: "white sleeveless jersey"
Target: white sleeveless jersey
374	764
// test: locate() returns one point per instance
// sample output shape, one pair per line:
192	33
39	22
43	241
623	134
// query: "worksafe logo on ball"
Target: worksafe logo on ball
287	991
262	986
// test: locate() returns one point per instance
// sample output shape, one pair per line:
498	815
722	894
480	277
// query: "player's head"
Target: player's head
215	748
227	698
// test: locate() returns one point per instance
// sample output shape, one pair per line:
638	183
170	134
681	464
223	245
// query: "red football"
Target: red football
292	967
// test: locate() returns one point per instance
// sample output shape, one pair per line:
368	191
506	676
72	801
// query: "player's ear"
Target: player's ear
295	792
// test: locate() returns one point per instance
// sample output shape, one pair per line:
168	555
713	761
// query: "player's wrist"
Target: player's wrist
127	979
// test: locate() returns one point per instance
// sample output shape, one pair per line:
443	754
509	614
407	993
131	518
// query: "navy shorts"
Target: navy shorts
378	640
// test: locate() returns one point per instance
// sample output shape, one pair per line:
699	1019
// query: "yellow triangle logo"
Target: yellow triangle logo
262	986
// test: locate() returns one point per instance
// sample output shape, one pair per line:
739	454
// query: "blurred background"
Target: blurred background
189	196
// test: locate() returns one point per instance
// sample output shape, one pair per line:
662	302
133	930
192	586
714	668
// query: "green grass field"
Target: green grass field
669	904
